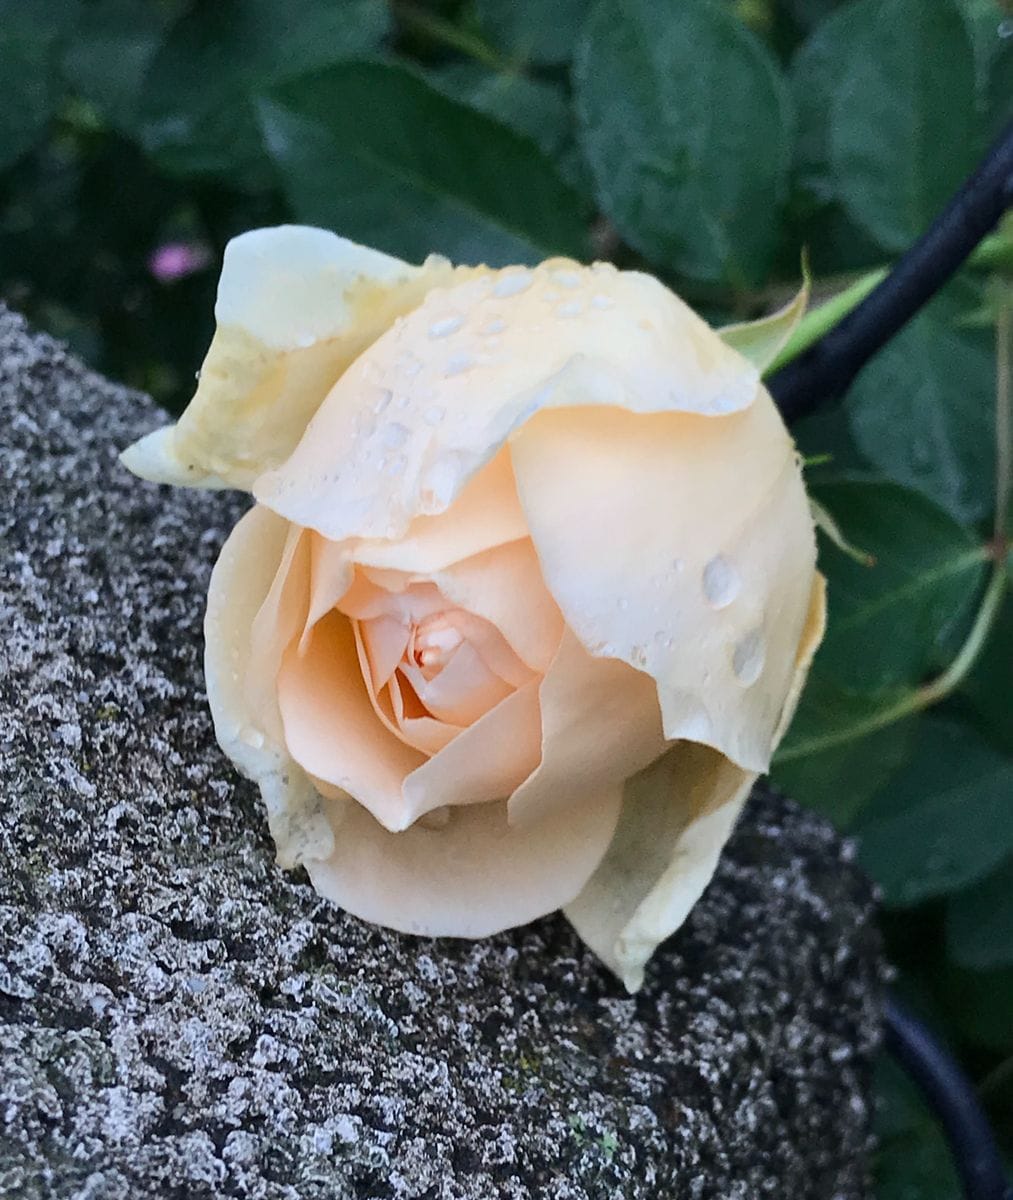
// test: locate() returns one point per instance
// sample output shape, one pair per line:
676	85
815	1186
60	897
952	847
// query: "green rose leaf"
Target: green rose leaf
904	129
109	54
686	123
904	616
922	411
531	30
31	33
197	115
943	823
376	152
979	922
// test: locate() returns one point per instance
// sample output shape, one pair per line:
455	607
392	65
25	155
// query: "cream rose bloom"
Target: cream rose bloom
528	592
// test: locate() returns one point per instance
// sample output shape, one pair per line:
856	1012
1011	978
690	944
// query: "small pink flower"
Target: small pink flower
177	260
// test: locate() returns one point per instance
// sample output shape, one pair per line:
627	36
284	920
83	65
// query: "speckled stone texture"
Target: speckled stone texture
180	1018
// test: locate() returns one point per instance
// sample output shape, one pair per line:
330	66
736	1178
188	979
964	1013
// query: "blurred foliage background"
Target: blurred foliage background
707	142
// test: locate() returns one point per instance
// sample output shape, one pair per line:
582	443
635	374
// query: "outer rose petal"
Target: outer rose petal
240	582
438	395
471	876
709	563
676	818
295	306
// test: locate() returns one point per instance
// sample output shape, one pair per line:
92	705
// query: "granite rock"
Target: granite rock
181	1018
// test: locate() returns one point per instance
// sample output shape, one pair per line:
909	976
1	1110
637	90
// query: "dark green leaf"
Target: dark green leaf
31	32
816	74
841	780
110	52
377	153
686	123
532	107
904	130
923	411
944	822
987	690
897	620
197	114
532	30
979	922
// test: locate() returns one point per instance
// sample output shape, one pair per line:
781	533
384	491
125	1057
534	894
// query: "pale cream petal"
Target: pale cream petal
296	306
276	626
812	635
706	580
600	724
385	640
331	728
676	817
471	365
469	874
463	691
505	586
486	761
761	341
487	513
241	580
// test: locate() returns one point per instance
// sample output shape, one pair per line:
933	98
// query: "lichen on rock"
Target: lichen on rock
179	1017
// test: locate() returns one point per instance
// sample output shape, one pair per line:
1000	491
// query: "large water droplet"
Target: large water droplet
458	365
445	327
395	435
748	656
513	284
721	582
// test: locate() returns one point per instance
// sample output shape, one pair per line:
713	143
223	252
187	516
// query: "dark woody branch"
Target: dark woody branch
824	372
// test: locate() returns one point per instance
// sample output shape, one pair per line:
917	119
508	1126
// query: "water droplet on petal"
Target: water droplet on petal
395	435
513	284
445	327
721	582
748	657
458	365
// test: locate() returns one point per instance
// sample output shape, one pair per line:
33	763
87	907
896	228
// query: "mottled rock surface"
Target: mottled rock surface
179	1018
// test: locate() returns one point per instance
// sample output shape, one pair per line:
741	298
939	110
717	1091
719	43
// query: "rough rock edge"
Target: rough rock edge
179	1018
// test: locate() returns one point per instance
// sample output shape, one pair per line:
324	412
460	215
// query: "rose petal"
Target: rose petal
295	306
469	877
600	724
487	513
710	557
676	817
240	582
463	691
331	728
471	365
486	761
505	586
